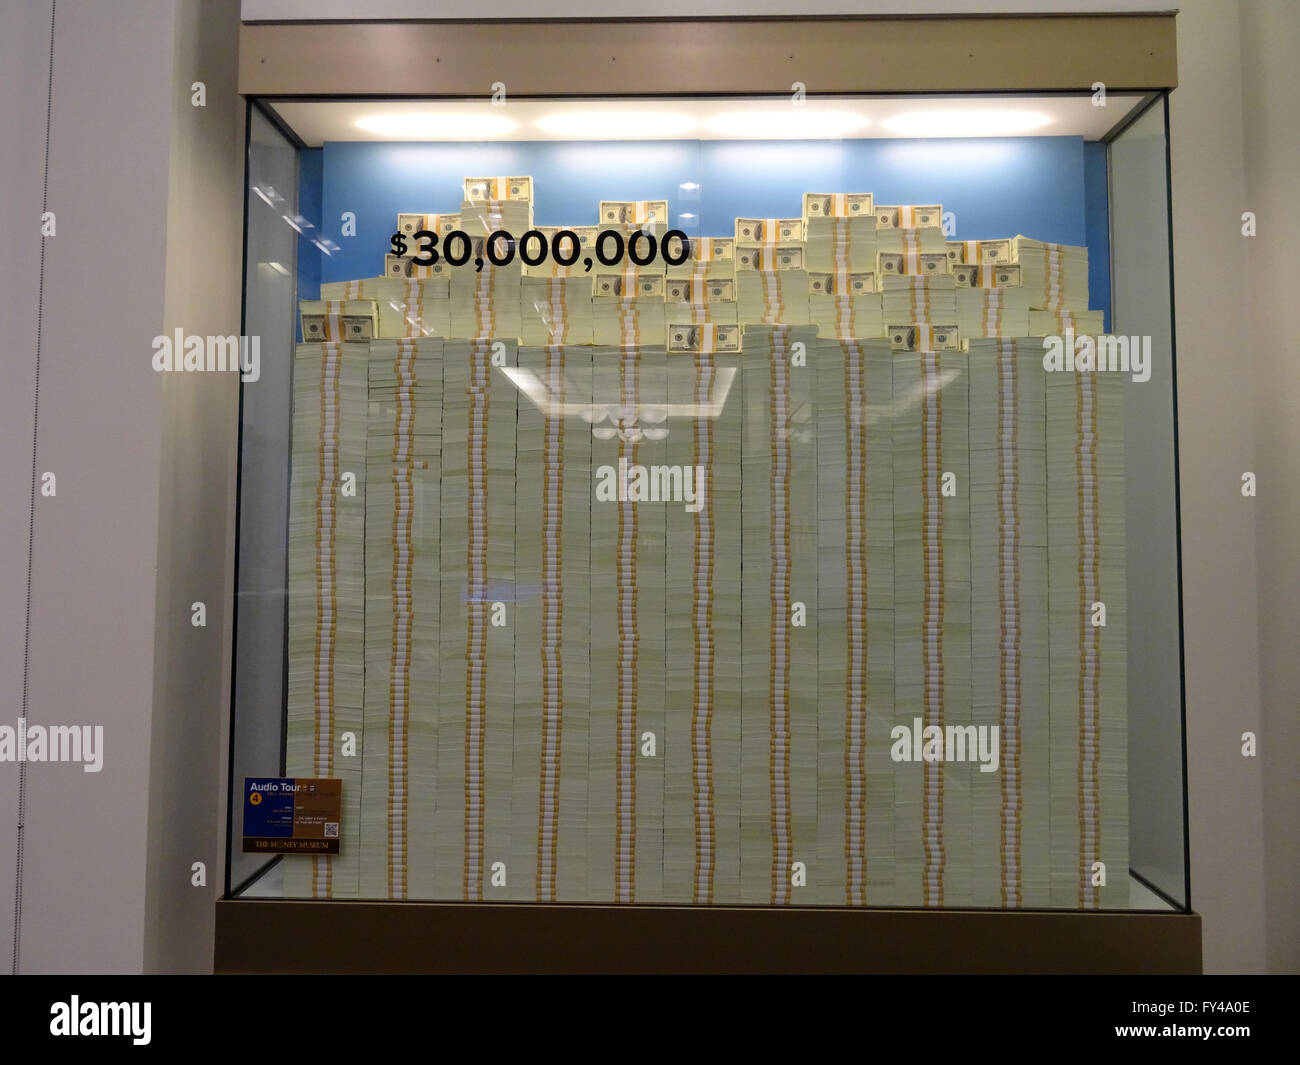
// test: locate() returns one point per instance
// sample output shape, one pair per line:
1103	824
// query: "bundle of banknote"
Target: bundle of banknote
909	216
326	591
476	638
980	252
412	308
408	224
486	302
923	336
355	321
1088	669
633	213
768	230
398	267
1056	275
821	205
482	189
582	248
932	649
399	745
365	288
481	218
912	298
1056	323
911	251
700	300
779	517
555	310
845	305
992	312
1009	619
707	258
772	284
627	308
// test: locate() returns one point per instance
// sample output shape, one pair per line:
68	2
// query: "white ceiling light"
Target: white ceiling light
629	125
966	123
790	123
433	126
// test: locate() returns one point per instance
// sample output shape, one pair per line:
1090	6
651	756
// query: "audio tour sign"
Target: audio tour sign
287	815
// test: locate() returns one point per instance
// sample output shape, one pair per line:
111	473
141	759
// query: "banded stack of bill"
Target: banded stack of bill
635	213
994	310
707	258
486	301
408	224
913	298
1088	669
400	267
480	190
1057	323
768	231
839	205
399	748
772	284
625	767
844	305
1056	275
555	310
909	216
627	308
365	288
701	751
855	590
326	590
923	336
482	218
779	598
569	249
551	624
409	307
472	844
700	300
841	242
932	636
1009	621
980	252
351	321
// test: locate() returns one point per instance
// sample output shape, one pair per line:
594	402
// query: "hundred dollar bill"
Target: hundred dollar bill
920	336
908	216
770	257
837	205
648	286
499	188
442	224
768	230
633	212
710	337
691	290
822	284
343	321
979	252
925	262
406	266
969	275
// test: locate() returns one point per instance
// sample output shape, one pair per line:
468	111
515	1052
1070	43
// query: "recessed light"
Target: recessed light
629	125
966	123
791	123
434	126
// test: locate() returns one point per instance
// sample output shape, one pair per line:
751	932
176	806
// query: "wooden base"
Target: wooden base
276	936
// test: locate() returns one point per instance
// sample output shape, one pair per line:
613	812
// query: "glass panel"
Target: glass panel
804	570
271	265
1144	313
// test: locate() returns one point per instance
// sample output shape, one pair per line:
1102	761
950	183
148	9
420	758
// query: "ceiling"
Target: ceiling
873	117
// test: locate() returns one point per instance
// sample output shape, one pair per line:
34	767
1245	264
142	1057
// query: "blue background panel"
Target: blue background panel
1050	188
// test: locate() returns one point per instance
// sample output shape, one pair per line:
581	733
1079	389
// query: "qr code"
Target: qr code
331	829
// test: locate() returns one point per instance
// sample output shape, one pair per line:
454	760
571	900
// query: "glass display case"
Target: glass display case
710	501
